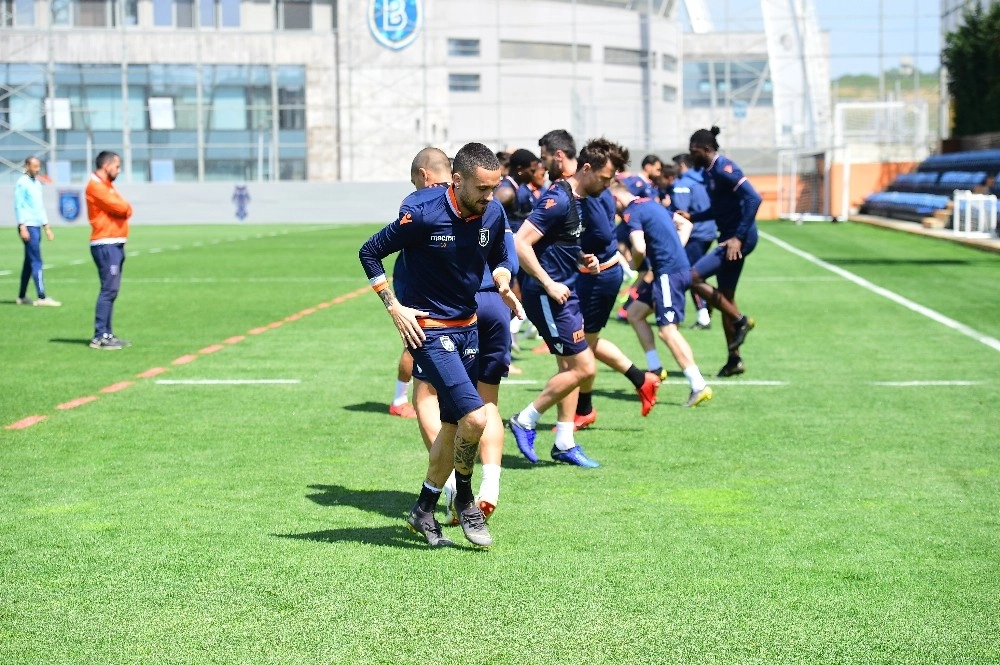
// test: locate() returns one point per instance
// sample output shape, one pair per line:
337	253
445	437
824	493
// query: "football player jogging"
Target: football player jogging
598	286
431	169
652	234
689	194
734	209
447	242
548	246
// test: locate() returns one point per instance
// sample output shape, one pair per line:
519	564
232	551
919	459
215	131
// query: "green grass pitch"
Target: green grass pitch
810	513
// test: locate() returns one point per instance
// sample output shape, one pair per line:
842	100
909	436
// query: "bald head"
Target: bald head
430	166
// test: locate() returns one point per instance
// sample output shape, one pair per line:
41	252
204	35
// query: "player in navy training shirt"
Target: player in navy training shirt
447	241
644	184
689	194
734	207
652	234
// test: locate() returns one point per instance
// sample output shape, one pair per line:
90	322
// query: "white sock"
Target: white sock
703	316
564	435
489	488
653	360
515	325
402	390
529	417
450	483
694	376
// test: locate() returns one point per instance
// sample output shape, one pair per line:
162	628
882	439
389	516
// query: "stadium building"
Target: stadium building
230	90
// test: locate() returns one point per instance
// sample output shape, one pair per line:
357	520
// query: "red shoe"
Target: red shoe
647	393
583	422
404	410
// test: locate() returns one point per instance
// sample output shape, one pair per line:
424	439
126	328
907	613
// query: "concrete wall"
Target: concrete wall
211	203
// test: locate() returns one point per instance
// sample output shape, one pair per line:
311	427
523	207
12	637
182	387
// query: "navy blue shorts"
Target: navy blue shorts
494	336
598	296
727	272
561	326
695	249
644	293
668	297
449	361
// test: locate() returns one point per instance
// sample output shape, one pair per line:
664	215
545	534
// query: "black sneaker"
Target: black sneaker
702	326
108	343
740	331
733	367
424	524
473	523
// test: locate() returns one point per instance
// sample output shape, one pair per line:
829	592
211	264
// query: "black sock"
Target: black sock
463	490
428	499
740	322
636	376
734	358
584	405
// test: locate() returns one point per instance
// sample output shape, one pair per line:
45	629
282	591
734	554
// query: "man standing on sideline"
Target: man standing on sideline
109	214
448	241
29	211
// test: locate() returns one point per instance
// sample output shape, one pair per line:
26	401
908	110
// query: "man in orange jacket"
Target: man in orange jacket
109	214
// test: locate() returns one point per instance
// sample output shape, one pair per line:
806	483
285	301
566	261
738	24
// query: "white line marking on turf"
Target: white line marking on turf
912	384
733	382
4	272
223	382
991	342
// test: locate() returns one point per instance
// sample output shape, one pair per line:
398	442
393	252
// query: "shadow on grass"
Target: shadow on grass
64	340
368	407
391	503
386	536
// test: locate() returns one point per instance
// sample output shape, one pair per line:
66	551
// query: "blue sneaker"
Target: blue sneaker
574	455
525	439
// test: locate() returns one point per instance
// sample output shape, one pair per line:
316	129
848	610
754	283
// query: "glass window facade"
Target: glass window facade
463	82
715	83
624	56
517	50
252	119
463	48
17	13
294	14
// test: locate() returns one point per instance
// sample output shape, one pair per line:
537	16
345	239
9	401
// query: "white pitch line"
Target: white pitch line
913	384
223	382
991	342
733	382
5	272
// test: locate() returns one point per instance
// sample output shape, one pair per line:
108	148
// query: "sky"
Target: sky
910	31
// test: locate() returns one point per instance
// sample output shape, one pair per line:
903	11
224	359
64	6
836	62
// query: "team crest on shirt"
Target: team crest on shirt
728	168
484	237
395	23
549	203
447	344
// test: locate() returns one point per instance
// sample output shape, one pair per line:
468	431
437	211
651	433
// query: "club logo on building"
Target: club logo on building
69	204
484	237
395	23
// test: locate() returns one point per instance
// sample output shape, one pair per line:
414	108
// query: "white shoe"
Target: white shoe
23	301
47	302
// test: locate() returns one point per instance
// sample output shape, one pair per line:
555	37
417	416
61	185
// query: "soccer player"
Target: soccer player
548	246
643	184
109	214
430	168
734	207
597	287
29	213
653	234
689	194
513	192
447	242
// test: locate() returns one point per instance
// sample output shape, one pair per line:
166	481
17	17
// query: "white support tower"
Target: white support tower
700	16
800	75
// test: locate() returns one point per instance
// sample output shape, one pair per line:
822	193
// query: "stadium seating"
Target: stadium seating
916	195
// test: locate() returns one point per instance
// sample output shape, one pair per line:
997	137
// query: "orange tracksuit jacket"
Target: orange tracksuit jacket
108	212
